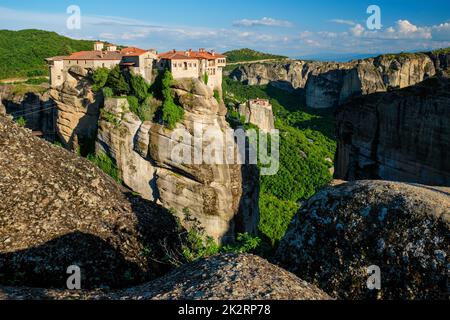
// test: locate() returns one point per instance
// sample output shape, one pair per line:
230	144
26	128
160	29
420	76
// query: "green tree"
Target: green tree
117	82
100	77
171	112
139	87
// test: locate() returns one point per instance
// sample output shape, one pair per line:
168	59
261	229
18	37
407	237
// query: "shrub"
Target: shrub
21	122
134	104
217	96
246	243
148	108
106	164
107	92
109	117
206	78
197	246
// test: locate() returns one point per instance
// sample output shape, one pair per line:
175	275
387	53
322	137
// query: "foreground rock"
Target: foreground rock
403	229
226	277
403	135
59	210
221	198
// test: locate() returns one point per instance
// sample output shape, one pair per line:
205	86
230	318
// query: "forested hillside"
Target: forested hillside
307	148
244	55
23	52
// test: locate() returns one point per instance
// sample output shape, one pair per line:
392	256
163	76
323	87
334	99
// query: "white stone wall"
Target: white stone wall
185	68
56	73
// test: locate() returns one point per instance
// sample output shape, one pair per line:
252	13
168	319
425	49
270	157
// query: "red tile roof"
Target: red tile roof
95	55
133	52
190	55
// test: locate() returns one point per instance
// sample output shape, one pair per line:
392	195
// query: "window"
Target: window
185	66
58	77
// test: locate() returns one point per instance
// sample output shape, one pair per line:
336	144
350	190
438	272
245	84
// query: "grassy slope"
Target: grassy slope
25	51
307	139
243	55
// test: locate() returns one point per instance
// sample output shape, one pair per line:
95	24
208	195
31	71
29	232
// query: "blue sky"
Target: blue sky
295	28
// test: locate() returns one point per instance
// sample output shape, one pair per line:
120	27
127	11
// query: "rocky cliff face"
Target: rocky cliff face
59	210
342	231
403	135
441	59
38	109
78	110
223	198
326	84
260	116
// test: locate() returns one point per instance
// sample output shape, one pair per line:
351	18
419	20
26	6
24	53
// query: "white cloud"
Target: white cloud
403	35
266	22
441	32
343	21
358	30
403	29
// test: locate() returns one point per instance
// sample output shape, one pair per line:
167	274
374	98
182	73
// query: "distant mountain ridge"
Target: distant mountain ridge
245	55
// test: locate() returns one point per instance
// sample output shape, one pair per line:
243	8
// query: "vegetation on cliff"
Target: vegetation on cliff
26	50
244	55
306	147
140	94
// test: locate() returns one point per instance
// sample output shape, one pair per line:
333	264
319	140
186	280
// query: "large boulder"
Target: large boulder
225	277
342	231
58	210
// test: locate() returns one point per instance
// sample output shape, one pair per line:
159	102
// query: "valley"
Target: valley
88	159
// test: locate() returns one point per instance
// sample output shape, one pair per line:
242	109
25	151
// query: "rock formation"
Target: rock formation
78	110
38	109
258	113
59	210
401	228
328	84
225	277
402	135
441	59
222	198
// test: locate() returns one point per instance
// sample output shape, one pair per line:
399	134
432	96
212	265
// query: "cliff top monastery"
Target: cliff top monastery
182	64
